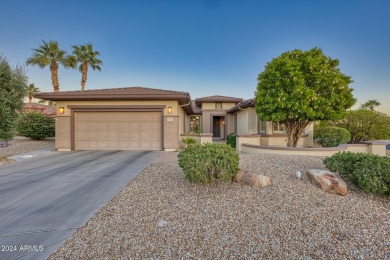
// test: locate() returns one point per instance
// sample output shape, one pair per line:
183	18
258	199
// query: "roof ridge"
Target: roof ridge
122	88
213	96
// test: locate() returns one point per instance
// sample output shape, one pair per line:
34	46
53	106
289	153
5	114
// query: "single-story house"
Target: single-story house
137	118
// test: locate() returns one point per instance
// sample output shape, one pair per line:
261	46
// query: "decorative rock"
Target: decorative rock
162	223
251	179
327	181
298	175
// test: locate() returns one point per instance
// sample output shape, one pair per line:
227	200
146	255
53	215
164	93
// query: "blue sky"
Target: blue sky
203	47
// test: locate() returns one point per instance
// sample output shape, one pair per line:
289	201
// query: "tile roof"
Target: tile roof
242	105
217	98
195	108
129	93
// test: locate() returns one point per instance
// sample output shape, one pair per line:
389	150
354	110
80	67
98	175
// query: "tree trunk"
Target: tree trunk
29	98
84	74
295	129
54	75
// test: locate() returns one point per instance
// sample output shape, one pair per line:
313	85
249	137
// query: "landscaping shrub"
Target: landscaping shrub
369	172
231	140
188	141
36	126
329	136
204	163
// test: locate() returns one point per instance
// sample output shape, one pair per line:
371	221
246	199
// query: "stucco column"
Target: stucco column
171	132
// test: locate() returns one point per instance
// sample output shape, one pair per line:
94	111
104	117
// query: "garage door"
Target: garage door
118	131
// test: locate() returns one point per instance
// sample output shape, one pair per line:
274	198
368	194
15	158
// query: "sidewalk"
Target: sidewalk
33	154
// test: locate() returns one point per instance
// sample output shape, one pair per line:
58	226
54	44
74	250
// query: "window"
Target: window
260	126
279	128
195	124
218	105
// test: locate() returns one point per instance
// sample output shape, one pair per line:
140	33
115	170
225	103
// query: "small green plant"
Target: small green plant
205	163
369	172
231	140
36	125
188	141
329	136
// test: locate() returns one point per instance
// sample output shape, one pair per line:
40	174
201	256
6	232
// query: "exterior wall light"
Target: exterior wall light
169	110
61	110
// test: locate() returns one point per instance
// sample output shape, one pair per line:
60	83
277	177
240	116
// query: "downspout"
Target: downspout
186	104
184	123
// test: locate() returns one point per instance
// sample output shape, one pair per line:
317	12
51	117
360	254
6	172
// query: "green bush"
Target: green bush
231	140
205	163
36	125
369	172
329	136
365	124
188	141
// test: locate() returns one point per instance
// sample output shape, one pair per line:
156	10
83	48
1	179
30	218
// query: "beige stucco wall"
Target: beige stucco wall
208	109
356	148
206	122
183	121
377	148
171	128
252	120
62	141
247	122
242	122
171	132
211	106
281	140
254	150
208	106
206	118
268	127
246	139
230	124
227	106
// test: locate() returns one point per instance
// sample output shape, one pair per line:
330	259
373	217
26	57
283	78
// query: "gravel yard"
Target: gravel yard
160	215
21	145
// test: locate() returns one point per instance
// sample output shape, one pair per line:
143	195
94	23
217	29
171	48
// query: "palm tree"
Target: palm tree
370	104
30	91
86	56
49	53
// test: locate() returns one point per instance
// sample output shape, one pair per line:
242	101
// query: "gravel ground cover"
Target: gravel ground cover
160	215
20	145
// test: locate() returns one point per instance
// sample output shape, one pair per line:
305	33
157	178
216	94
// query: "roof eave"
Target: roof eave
183	99
199	102
238	108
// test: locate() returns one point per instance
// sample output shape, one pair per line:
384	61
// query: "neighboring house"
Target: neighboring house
44	109
137	118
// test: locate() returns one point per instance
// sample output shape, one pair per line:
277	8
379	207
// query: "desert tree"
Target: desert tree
300	87
365	124
370	104
13	82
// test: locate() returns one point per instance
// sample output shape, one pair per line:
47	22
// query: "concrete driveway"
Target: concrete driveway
43	201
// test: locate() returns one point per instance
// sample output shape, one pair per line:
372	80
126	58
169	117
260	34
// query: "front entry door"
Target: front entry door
217	127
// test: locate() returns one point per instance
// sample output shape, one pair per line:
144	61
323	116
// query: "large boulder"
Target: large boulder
252	179
327	181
